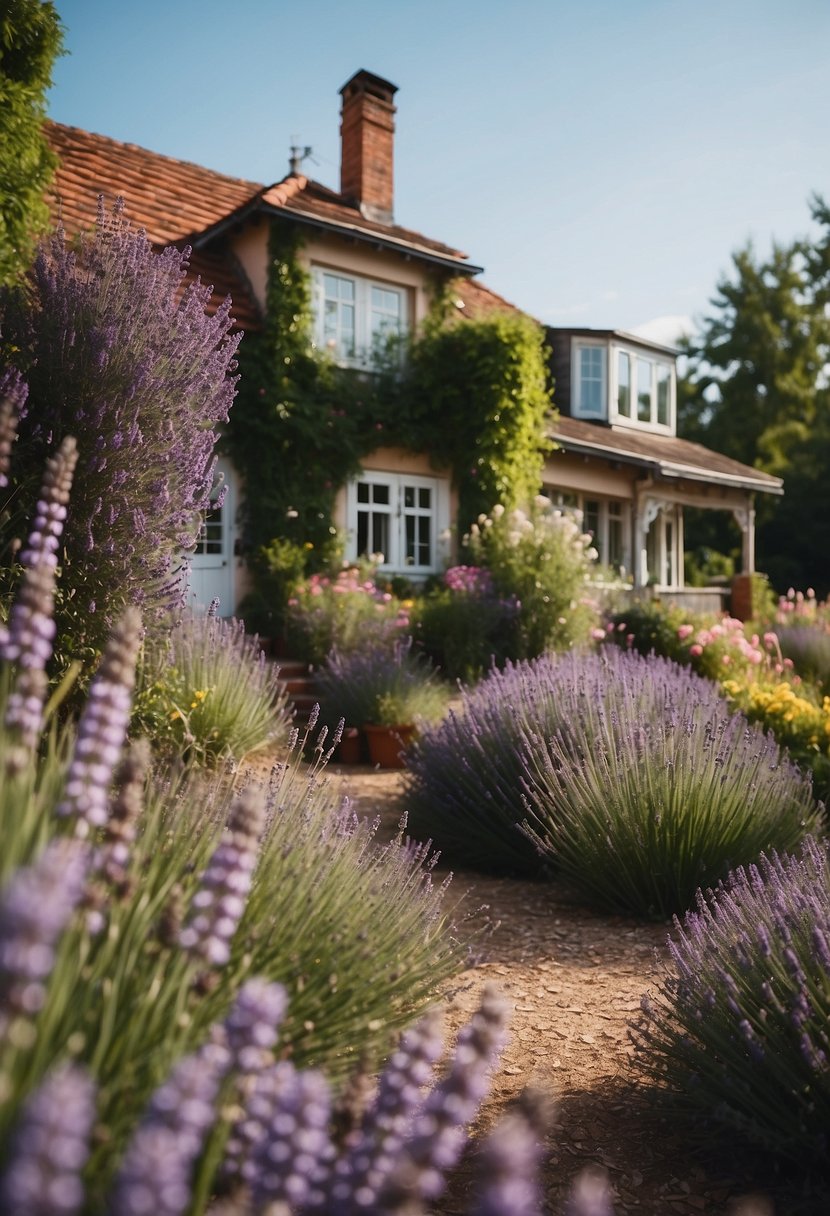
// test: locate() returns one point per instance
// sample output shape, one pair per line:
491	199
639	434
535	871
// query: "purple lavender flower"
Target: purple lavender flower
31	629
50	1147
509	1168
439	1132
130	362
34	910
292	1158
361	1170
13	392
591	1195
220	901
155	1174
102	728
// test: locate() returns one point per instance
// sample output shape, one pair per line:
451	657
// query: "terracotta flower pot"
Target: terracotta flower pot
388	743
350	747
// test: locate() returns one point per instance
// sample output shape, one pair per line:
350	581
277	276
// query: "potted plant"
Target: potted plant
386	690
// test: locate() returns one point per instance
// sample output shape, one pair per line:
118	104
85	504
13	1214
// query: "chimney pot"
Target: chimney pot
367	136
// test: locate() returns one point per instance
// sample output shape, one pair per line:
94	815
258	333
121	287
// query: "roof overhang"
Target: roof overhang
670	469
353	232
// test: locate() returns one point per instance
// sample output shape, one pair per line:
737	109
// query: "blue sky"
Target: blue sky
600	158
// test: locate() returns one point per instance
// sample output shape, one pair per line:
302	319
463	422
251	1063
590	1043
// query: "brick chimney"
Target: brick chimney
367	136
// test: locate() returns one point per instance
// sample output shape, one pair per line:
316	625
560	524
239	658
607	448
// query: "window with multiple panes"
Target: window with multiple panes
624	383
355	318
397	515
590	381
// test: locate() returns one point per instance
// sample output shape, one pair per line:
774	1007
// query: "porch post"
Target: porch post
745	519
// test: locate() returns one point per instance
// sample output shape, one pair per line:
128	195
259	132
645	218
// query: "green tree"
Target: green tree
757	389
31	37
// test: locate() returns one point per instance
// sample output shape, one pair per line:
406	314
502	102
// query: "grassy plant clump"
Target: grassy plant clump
209	692
739	1026
135	906
381	685
650	788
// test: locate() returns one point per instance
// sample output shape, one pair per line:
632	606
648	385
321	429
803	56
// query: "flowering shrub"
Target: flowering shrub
340	612
116	354
464	786
465	626
208	691
379	686
134	908
649	787
541	559
637	782
739	1026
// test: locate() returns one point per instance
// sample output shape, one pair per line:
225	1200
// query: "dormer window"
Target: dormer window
590	391
612	381
355	318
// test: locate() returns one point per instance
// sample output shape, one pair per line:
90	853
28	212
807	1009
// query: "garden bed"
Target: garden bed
575	979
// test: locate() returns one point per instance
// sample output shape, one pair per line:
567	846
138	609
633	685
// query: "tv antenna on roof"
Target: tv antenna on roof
298	155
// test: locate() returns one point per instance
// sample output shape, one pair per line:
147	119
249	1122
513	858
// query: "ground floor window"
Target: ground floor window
609	522
400	516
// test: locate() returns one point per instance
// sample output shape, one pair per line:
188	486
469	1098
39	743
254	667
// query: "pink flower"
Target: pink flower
685	631
726	660
771	639
598	634
629	639
788	663
696	650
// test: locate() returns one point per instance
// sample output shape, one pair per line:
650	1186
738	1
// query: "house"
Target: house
619	459
373	280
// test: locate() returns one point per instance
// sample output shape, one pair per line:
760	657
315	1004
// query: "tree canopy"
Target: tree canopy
31	38
757	388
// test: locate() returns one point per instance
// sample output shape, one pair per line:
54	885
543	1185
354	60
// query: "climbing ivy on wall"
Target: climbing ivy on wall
474	397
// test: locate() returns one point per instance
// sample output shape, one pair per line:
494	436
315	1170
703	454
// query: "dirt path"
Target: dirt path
574	979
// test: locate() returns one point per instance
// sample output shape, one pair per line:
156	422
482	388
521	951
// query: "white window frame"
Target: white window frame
577	409
395	561
657	362
365	331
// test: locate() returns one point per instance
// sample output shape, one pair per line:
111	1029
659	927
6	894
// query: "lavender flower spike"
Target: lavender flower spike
361	1171
220	901
31	630
292	1157
50	1147
439	1132
510	1166
102	728
155	1174
34	910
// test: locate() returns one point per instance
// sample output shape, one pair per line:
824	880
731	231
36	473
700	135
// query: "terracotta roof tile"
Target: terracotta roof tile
171	199
669	455
479	300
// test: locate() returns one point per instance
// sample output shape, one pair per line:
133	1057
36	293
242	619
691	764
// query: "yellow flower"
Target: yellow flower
174	715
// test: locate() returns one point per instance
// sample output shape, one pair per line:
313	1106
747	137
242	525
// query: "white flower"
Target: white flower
498	511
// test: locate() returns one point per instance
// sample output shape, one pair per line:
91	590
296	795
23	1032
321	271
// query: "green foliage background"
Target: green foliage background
757	390
31	38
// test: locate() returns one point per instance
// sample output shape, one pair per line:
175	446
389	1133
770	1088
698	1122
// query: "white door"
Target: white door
211	565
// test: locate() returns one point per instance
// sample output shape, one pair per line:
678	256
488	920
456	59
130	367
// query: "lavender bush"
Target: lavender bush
738	1028
386	685
464	783
464	625
807	645
637	783
119	354
650	787
207	690
136	905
